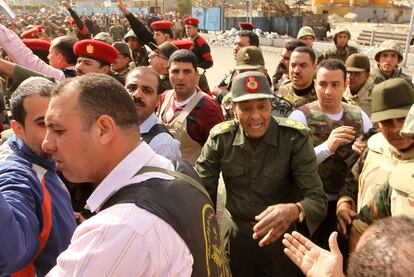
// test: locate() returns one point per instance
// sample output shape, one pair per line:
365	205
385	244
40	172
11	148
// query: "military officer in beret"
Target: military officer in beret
96	56
270	173
246	26
385	171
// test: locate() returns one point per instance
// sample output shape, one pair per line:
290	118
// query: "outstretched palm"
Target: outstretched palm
312	259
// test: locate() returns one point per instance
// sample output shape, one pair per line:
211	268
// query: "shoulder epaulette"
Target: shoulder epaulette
291	123
222	128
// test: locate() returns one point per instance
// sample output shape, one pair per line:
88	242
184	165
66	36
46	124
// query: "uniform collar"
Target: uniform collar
270	137
365	89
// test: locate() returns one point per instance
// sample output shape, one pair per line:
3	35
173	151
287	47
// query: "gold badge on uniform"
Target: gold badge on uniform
252	85
246	57
89	49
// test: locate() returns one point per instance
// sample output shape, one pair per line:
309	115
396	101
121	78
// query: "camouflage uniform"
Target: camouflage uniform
308	31
377	75
339	53
288	93
363	98
385	183
381	183
332	170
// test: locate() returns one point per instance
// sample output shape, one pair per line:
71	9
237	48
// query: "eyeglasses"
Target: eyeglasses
159	55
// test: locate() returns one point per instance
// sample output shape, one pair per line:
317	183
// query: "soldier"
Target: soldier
139	52
162	29
341	50
388	57
360	84
302	67
334	125
384	172
201	49
307	35
122	64
244	38
251	59
188	112
281	76
262	191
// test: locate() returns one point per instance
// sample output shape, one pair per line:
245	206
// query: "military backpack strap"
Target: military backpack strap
154	131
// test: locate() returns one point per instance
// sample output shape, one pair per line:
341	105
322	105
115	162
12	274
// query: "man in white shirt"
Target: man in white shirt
334	126
93	137
144	86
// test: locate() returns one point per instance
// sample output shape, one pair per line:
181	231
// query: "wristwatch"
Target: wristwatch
301	216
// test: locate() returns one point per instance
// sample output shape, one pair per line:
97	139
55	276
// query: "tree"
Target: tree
183	6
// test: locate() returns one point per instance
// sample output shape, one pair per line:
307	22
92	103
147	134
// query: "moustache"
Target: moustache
138	102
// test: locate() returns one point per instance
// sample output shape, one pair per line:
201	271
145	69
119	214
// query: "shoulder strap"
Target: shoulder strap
175	174
189	107
154	131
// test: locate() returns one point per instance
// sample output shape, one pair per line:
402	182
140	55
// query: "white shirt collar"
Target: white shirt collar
186	101
148	123
120	176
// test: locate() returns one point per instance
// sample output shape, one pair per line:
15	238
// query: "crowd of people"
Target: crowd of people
114	146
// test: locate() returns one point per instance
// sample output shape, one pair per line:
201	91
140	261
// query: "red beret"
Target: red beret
191	21
183	44
95	49
30	33
158	25
41	28
70	22
37	44
246	26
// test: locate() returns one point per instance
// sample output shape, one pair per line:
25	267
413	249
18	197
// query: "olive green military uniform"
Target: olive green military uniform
278	168
376	73
339	53
140	57
381	183
297	97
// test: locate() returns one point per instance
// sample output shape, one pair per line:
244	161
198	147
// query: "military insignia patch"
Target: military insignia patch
89	49
252	85
246	57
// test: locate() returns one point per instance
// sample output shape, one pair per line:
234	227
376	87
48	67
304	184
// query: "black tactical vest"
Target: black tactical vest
185	205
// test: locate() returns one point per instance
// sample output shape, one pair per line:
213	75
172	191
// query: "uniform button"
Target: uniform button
254	160
254	181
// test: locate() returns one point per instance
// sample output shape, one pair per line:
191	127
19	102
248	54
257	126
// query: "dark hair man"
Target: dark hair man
144	86
334	125
302	67
188	113
145	210
36	214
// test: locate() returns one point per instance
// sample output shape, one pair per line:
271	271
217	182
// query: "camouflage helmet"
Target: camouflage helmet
105	37
339	31
306	31
389	45
407	130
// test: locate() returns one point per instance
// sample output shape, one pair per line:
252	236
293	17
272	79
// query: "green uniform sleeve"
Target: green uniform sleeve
379	207
208	167
22	73
306	178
